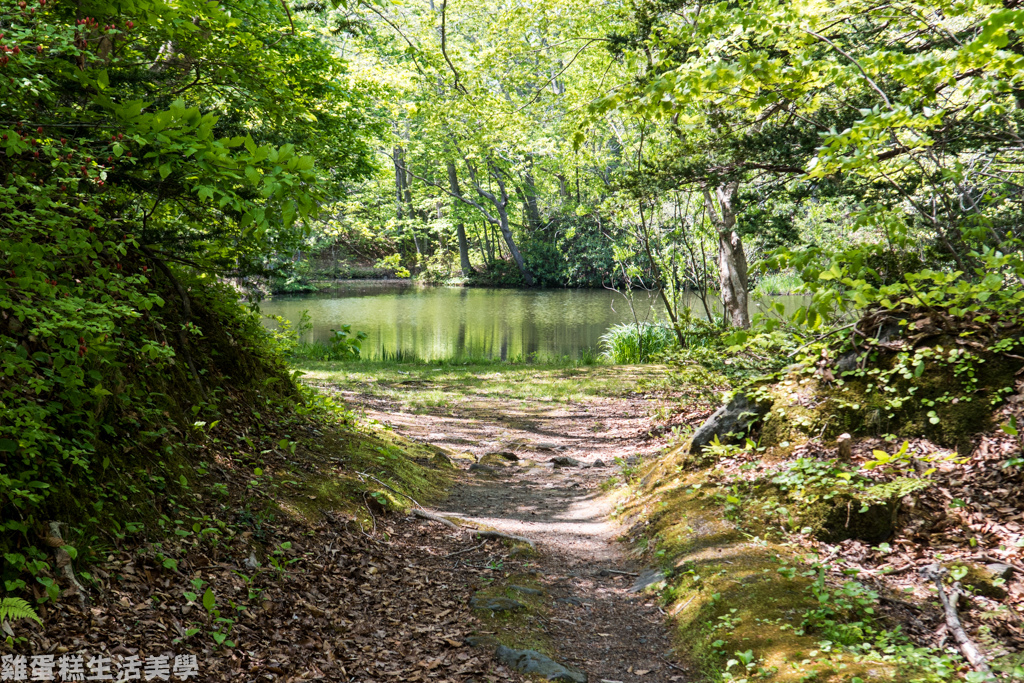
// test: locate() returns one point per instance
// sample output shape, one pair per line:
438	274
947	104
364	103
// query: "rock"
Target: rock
443	461
851	359
599	463
524	590
736	416
548	446
647	578
565	461
507	455
984	581
495	603
477	467
533	662
574	601
1000	570
839	518
251	563
493	460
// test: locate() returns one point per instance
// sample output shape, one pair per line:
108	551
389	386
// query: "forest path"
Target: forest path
591	620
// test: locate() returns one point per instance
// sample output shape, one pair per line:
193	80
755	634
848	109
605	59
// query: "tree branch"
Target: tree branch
855	63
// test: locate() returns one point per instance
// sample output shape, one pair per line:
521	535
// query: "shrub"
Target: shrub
637	342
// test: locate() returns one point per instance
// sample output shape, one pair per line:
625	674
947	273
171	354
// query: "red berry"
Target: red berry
39	130
92	228
130	25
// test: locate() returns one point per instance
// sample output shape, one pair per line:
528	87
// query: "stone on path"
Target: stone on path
598	463
647	578
507	455
566	461
477	467
533	662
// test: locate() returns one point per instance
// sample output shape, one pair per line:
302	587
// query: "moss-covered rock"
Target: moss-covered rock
844	516
983	580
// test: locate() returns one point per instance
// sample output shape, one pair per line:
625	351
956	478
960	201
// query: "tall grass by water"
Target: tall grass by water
631	343
773	284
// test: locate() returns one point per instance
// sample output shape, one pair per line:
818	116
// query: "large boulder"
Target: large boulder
735	417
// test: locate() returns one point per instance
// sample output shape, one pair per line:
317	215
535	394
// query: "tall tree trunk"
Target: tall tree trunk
460	228
397	156
530	200
506	232
732	262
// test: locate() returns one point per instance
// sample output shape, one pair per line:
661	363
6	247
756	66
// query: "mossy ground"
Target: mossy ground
724	591
522	629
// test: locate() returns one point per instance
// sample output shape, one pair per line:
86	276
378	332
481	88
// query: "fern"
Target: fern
16	608
896	489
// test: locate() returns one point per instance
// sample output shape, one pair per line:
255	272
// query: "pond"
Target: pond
433	323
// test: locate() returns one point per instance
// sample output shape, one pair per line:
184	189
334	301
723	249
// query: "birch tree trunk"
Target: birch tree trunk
732	262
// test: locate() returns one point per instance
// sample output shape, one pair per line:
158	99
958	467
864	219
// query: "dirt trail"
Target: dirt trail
598	625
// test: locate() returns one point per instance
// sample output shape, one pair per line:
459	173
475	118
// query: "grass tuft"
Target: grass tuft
637	343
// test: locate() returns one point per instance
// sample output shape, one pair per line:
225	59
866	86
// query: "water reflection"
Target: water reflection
444	322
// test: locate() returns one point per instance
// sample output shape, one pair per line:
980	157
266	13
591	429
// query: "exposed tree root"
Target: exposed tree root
64	563
423	514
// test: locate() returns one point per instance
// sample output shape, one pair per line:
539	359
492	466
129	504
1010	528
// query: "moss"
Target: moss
793	417
494	460
521	628
840	517
724	592
982	581
940	403
328	480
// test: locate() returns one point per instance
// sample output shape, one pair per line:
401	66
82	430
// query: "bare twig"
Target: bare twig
466	550
372	518
936	572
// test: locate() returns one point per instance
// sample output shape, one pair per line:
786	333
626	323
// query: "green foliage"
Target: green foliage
131	185
631	343
16	608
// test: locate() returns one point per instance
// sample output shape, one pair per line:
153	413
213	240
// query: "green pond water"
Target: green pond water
432	323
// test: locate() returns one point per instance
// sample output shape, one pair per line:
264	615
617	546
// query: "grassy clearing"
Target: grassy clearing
441	385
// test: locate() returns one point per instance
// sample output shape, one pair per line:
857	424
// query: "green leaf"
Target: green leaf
209	600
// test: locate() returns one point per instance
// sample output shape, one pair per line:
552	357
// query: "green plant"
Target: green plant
16	608
630	343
